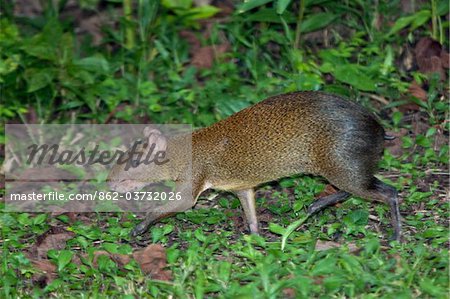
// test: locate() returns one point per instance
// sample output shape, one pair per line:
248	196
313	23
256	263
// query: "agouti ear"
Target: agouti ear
154	136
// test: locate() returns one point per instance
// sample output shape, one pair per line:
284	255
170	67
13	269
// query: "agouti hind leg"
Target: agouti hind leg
379	191
389	195
327	201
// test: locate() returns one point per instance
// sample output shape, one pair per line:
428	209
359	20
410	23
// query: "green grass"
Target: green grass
48	74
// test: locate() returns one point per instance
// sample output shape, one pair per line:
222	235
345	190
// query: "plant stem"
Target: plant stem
298	30
129	32
434	19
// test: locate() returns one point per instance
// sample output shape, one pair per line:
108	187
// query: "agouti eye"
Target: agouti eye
134	163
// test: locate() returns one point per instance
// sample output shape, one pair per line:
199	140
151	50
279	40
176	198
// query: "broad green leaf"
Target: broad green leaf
358	217
442	7
70	105
290	229
105	264
93	63
9	65
248	5
167	229
157	234
39	219
388	60
147	12
202	12
317	21
147	88
9	33
423	141
333	283
172	4
64	258
229	107
282	5
161	49
309	3
24	219
430	132
416	19
40	50
111	247
276	228
38	79
270	16
430	287
66	48
199	235
324	266
421	18
45	45
353	75
326	67
55	285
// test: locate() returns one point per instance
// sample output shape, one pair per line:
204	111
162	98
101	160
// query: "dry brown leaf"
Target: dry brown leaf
319	279
54	238
47	272
204	56
264	215
120	259
329	189
407	6
395	146
152	260
192	40
440	140
289	293
408	107
97	254
445	57
406	59
226	7
428	56
419	124
2	184
416	91
325	245
24	8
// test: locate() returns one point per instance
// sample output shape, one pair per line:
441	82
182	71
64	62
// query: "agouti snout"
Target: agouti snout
302	132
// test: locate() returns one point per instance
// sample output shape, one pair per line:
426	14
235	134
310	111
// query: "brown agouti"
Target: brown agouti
302	132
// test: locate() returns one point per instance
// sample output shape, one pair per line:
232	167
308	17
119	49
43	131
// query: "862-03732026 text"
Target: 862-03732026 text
97	195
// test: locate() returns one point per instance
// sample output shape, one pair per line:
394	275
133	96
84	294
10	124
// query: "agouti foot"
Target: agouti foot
254	228
396	237
139	229
312	209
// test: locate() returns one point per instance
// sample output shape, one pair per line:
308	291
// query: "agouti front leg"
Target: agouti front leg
247	199
187	201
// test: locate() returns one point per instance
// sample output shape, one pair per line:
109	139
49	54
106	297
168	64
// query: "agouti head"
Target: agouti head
302	132
143	163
